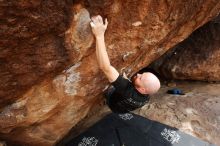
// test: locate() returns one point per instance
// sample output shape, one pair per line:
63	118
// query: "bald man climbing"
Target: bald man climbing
124	96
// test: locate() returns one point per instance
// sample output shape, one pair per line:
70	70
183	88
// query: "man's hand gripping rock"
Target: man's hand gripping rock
98	27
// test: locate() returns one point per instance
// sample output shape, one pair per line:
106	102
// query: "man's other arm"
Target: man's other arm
98	29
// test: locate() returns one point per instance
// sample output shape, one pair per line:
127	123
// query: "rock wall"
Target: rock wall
196	58
49	78
31	44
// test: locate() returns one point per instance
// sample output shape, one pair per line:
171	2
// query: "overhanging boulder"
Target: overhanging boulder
196	58
49	78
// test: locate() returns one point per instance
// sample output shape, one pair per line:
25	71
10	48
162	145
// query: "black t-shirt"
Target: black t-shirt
126	98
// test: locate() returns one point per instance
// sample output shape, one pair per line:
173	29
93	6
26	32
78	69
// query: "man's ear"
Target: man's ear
142	90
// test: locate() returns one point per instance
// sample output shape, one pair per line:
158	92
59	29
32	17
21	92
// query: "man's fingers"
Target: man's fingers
100	19
95	19
106	22
92	24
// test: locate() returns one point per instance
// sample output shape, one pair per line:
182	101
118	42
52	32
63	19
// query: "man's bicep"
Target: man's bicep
112	74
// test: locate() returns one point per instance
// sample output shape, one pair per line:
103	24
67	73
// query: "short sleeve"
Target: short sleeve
121	83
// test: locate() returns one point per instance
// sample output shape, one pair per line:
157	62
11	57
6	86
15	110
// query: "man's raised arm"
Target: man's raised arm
98	29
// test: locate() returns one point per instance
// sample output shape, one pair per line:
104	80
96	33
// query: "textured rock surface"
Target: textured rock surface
30	44
2	143
196	58
49	78
196	113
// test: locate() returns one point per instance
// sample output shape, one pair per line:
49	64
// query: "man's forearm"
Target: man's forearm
98	29
101	53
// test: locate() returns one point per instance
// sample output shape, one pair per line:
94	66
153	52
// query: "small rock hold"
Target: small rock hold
126	55
137	23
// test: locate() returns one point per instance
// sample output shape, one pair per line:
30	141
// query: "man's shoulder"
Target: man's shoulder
121	79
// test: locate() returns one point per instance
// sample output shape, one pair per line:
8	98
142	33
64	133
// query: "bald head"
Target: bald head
146	83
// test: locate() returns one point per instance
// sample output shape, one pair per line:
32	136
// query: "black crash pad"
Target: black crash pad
133	130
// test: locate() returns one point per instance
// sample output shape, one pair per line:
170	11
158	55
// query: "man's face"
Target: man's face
146	83
137	80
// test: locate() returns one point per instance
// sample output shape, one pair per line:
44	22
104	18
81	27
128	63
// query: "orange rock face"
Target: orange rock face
196	58
31	45
49	78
